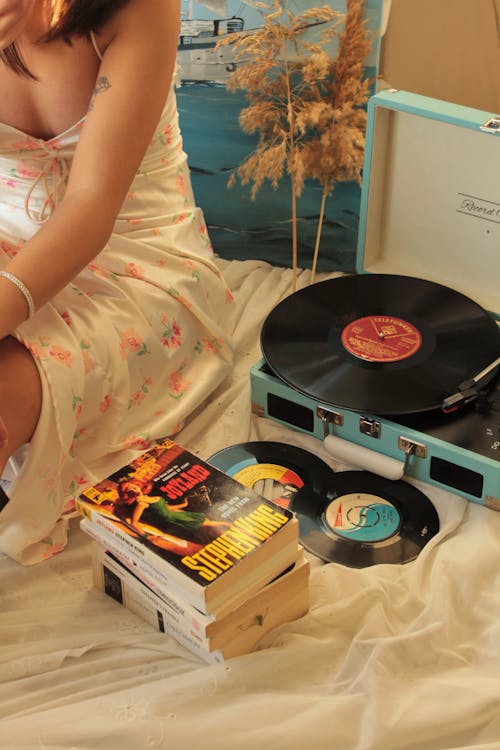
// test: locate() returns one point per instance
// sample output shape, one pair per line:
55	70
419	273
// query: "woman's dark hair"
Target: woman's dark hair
70	18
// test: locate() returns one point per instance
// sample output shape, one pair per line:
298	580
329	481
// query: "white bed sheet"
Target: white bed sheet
390	657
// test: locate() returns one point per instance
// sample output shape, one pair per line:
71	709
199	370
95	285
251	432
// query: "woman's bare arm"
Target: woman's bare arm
131	89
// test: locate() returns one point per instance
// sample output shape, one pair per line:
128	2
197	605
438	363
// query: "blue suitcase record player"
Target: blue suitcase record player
396	367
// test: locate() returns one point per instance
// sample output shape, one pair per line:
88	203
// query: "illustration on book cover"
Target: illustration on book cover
189	512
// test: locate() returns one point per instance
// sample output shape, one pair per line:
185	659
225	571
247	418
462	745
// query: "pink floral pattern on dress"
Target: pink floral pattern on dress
136	399
180	297
26	144
105	403
36	348
76	405
132	342
59	354
134	270
25	170
52	548
171	336
181	184
165	136
177	383
88	362
101	271
8	182
121	347
80	432
141	441
139	395
212	345
78	483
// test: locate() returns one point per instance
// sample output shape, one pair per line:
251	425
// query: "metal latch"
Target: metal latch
369	427
328	417
411	448
492	125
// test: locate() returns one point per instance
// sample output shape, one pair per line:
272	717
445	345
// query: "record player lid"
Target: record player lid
430	203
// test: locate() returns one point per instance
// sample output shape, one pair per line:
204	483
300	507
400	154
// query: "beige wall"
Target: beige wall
448	49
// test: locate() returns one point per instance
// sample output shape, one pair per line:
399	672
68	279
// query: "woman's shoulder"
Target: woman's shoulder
149	17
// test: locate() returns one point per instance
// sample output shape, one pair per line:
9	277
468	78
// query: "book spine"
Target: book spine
180	613
146	605
141	556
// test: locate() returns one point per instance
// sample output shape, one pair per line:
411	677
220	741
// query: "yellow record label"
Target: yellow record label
251	474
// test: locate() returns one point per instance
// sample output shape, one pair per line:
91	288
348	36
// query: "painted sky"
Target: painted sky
253	18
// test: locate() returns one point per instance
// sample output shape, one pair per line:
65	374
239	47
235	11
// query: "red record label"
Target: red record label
381	338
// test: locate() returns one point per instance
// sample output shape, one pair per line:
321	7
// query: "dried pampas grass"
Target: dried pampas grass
306	105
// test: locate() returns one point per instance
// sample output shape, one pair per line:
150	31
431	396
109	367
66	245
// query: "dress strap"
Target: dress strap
95	45
54	172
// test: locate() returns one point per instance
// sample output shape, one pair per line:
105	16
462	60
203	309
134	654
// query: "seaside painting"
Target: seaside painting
240	227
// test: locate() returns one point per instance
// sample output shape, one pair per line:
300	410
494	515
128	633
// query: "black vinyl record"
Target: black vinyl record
379	343
351	517
277	471
366	520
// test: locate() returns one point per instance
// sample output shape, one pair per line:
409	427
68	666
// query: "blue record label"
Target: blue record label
362	517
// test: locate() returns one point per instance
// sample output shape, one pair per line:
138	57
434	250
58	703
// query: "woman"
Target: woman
111	306
135	505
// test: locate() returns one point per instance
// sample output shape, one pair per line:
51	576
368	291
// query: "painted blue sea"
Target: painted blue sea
261	229
216	145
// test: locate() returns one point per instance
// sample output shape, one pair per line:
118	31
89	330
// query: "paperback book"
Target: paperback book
208	538
283	600
162	586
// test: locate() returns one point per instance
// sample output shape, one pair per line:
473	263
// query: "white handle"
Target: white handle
364	458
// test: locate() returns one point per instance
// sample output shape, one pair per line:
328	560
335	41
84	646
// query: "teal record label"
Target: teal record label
362	517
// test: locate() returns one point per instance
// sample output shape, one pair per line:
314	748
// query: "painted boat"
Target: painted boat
198	58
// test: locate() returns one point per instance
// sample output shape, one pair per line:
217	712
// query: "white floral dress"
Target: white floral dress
127	350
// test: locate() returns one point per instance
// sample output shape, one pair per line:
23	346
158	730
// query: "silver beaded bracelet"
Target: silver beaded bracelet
23	289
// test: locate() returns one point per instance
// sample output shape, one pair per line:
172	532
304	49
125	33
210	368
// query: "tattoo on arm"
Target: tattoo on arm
102	84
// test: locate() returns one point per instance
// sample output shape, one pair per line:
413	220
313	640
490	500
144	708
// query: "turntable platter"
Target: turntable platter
379	343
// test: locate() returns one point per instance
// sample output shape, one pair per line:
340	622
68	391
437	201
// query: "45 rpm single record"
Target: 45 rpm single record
277	471
366	520
379	343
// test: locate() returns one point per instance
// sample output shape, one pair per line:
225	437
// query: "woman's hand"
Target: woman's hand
13	17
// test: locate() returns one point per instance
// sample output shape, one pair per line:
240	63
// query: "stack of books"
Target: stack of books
194	552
